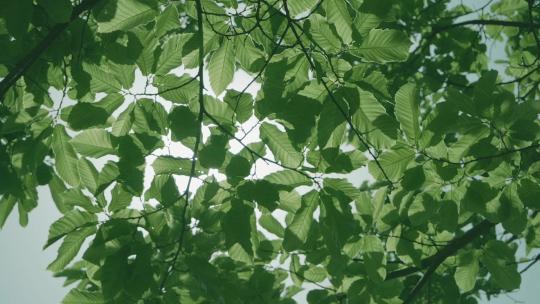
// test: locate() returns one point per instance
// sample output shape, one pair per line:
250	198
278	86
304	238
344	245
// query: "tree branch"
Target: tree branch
434	261
257	154
520	79
487	22
200	117
481	158
531	264
445	252
439	29
332	97
261	71
26	62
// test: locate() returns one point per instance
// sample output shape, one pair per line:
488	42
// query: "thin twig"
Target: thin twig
196	147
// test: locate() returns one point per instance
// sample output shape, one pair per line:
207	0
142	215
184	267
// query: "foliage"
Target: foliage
100	98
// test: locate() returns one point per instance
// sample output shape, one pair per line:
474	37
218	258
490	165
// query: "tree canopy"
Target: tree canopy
126	111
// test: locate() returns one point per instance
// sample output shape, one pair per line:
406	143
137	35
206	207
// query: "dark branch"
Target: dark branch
445	252
200	117
520	79
26	62
487	22
433	262
531	264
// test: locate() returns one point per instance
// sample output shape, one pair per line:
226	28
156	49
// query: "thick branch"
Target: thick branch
26	62
433	262
448	250
487	22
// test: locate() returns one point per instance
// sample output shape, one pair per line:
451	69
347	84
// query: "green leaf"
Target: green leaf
221	66
120	198
88	174
322	33
466	271
58	10
7	202
483	93
75	197
219	110
330	123
149	116
288	178
126	15
182	89
301	6
408	110
17	16
260	191
366	22
422	209
122	125
384	45
240	103
478	195
70	247
296	233
473	133
171	54
343	186
280	145
70	222
147	58
529	193
338	15
85	115
212	155
393	162
284	194
172	165
76	296
164	190
500	262
450	220
370	108
167	20
238	167
289	201
108	174
512	212
66	160
183	123
315	274
270	223
93	143
374	258
238	224
101	79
